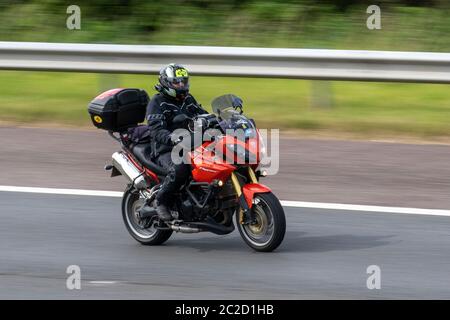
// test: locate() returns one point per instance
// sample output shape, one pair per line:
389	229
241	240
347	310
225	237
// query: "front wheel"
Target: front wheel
267	231
139	228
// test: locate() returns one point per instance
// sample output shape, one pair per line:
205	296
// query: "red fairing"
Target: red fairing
250	189
205	169
251	145
207	166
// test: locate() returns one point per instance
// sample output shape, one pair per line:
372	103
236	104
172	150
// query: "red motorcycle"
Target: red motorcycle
224	180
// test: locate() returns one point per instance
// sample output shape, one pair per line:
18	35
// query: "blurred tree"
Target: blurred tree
407	24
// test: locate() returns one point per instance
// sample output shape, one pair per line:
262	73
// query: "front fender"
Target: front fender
250	189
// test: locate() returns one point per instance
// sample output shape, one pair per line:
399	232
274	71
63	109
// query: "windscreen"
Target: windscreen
226	106
229	110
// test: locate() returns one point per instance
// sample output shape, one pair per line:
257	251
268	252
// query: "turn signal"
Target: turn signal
219	183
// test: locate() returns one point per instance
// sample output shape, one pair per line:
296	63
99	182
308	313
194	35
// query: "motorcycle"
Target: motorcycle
224	181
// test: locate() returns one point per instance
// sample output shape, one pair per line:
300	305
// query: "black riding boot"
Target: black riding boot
163	212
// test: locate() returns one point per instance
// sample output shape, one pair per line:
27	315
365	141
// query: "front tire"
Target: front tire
267	233
131	203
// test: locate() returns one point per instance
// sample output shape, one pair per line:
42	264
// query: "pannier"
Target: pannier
118	109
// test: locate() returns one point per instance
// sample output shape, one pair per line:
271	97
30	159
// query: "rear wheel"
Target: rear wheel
268	230
140	229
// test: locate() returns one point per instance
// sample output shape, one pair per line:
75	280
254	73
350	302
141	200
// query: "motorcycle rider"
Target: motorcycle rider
172	99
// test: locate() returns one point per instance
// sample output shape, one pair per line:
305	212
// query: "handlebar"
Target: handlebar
204	121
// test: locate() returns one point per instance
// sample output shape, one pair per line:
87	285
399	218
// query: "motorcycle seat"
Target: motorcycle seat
142	152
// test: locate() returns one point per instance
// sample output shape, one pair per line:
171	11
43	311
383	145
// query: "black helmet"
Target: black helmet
174	81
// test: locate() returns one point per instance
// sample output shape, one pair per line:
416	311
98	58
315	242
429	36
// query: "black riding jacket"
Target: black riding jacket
160	112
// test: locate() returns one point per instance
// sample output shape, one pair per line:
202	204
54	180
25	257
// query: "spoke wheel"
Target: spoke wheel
142	230
267	230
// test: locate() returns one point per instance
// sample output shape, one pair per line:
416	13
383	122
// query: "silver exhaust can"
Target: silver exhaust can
121	162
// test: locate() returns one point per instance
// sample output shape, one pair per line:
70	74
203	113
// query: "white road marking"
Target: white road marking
285	203
357	207
102	282
76	192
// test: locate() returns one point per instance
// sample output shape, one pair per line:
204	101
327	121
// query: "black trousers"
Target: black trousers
176	177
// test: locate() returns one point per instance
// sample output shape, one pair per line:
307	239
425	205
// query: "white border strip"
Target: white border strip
357	207
285	203
75	192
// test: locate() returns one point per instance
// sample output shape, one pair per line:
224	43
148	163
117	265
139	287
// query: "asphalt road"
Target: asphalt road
325	255
372	173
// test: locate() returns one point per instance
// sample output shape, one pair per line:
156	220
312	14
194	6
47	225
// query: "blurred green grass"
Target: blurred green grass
361	108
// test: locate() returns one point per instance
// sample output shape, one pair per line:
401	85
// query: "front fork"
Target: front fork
245	214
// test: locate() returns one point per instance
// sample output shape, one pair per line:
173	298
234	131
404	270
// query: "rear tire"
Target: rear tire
131	202
268	233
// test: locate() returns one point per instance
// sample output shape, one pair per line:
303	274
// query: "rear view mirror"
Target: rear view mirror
237	102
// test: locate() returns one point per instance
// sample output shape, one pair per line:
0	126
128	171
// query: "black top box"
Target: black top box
118	109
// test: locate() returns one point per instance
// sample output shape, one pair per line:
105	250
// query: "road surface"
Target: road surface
325	254
371	173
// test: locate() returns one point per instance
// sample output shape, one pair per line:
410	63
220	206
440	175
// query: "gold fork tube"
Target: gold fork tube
236	184
238	189
252	175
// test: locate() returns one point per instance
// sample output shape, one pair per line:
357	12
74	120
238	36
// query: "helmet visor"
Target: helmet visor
178	83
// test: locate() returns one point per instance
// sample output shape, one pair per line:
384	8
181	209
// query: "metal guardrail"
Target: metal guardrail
229	61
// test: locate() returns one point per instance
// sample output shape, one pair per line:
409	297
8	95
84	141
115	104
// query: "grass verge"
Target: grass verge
357	108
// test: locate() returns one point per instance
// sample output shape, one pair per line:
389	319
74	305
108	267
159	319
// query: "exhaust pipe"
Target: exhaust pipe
210	225
121	162
184	229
